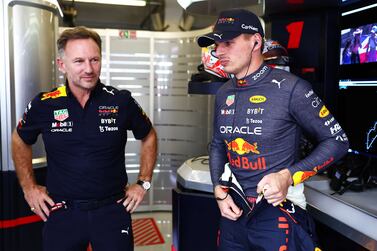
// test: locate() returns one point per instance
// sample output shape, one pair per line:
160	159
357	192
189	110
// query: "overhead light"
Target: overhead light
359	9
186	3
116	2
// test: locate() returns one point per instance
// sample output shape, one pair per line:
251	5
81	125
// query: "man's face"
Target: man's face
235	54
81	63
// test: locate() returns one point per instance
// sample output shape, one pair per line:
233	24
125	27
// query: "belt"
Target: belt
87	205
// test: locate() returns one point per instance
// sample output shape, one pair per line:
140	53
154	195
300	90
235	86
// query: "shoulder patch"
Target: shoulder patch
59	92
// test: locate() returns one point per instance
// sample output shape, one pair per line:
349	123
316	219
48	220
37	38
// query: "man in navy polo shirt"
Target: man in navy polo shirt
84	128
259	117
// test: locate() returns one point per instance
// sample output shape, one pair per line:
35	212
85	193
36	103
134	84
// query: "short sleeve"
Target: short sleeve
29	126
139	122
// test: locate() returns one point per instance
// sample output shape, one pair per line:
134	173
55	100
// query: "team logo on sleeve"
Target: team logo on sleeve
316	102
324	164
324	112
342	137
329	121
22	121
59	92
61	115
335	129
141	109
307	95
301	176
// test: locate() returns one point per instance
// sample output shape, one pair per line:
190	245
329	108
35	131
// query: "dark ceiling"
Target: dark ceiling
154	16
111	16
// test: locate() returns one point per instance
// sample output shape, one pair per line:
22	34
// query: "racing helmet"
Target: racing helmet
212	63
275	55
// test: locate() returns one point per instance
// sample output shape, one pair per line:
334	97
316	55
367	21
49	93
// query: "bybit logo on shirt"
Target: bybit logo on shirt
254	111
108	121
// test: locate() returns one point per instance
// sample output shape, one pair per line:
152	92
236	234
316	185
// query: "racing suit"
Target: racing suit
257	129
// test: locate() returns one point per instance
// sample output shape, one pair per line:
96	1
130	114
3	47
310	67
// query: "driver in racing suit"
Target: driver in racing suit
259	117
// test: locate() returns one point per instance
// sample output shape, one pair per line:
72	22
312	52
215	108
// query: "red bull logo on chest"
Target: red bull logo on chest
244	162
240	146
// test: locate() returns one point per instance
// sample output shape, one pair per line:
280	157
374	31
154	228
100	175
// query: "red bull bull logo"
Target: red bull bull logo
60	92
300	176
241	147
245	163
228	20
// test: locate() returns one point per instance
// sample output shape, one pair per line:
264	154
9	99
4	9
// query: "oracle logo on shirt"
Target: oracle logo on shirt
106	110
241	130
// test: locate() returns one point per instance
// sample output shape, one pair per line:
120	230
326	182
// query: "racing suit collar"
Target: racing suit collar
255	77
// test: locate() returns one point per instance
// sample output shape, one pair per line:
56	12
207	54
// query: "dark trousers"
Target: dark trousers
269	229
106	227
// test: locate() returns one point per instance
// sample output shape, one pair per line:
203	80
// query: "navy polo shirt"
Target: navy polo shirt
85	147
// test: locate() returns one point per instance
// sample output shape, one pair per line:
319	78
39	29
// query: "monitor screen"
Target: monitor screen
358	45
358	117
